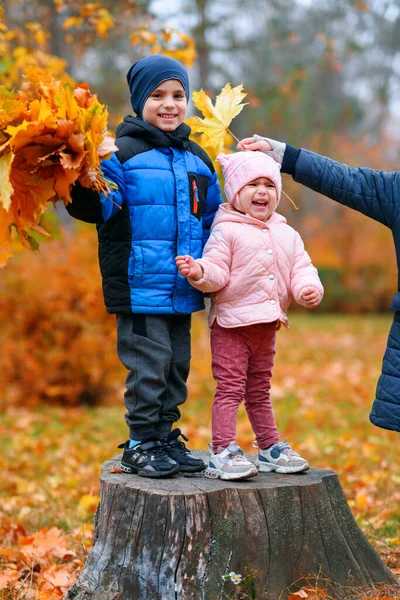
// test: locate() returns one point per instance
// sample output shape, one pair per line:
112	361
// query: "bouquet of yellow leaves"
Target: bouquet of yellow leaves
50	135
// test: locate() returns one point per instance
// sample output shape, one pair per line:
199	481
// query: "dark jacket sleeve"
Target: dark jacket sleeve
376	194
92	207
85	205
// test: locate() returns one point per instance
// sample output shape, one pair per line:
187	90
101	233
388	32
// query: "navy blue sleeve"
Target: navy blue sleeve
376	194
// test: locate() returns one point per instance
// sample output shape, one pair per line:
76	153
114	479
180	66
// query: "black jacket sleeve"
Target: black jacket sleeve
85	205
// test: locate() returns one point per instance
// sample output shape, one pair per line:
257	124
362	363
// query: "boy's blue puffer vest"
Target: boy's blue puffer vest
377	195
167	196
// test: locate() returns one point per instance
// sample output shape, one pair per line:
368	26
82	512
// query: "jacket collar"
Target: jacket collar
226	212
137	128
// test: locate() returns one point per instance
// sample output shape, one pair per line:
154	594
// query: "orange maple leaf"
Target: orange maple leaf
8	576
45	543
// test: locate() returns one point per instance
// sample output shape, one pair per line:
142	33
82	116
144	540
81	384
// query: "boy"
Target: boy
167	196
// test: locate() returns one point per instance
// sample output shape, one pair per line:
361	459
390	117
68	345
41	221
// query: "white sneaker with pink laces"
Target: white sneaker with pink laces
229	463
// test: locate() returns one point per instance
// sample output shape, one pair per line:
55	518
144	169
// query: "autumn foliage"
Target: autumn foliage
50	134
57	343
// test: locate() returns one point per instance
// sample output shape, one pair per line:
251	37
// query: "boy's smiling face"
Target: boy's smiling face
166	106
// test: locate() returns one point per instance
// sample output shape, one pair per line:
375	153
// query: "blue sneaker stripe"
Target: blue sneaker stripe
262	458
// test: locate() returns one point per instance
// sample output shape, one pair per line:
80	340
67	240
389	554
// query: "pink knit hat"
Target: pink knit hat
242	167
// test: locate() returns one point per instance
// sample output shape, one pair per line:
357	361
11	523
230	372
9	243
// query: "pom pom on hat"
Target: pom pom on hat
242	167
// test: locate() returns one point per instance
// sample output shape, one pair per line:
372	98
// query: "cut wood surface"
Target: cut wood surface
168	539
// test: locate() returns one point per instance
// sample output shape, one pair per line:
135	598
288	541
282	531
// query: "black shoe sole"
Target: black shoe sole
131	470
192	469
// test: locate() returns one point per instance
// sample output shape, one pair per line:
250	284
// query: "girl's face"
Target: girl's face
166	106
259	198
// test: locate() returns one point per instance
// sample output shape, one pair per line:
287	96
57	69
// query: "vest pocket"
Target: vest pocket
198	186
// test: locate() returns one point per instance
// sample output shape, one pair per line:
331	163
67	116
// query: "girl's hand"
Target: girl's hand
310	297
188	267
252	144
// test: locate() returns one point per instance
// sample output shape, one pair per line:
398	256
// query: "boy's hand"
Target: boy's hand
188	267
272	148
87	177
310	297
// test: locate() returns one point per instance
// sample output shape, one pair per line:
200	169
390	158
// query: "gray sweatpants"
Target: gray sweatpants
156	351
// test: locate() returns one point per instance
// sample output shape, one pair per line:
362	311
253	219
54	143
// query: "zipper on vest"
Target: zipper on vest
195	197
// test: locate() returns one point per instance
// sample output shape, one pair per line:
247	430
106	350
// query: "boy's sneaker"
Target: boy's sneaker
148	459
229	463
177	450
280	458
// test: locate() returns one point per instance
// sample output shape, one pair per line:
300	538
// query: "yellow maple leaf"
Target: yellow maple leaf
217	119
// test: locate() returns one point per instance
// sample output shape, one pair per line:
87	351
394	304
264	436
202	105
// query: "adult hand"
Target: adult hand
272	148
188	267
310	297
262	145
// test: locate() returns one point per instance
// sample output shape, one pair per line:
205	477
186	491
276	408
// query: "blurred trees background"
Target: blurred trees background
319	75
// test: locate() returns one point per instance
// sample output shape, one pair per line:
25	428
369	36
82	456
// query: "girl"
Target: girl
253	263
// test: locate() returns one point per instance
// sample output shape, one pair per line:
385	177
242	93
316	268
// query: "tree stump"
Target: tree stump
176	538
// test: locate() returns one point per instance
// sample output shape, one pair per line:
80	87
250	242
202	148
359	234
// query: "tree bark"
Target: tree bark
176	538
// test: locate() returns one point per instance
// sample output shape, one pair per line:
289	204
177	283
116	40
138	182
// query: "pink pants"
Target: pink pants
242	361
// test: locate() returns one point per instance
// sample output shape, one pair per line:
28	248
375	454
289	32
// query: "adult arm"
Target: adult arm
373	193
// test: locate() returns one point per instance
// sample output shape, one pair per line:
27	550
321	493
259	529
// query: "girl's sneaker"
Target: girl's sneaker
280	458
229	463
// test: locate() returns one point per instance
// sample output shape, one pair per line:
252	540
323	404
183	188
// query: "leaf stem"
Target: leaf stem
290	200
232	134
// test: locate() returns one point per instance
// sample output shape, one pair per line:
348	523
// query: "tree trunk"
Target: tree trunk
176	538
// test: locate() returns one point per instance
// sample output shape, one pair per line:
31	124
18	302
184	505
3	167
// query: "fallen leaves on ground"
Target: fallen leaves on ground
323	385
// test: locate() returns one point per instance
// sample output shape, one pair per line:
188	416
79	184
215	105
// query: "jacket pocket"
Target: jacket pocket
395	304
198	187
136	266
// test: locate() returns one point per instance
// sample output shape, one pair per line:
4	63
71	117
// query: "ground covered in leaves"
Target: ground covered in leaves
323	386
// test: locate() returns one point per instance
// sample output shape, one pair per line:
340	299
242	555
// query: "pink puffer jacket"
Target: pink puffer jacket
254	268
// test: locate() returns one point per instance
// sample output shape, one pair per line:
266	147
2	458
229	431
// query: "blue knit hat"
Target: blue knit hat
147	73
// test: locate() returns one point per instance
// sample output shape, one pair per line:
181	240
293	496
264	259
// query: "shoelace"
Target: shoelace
181	447
159	452
286	449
